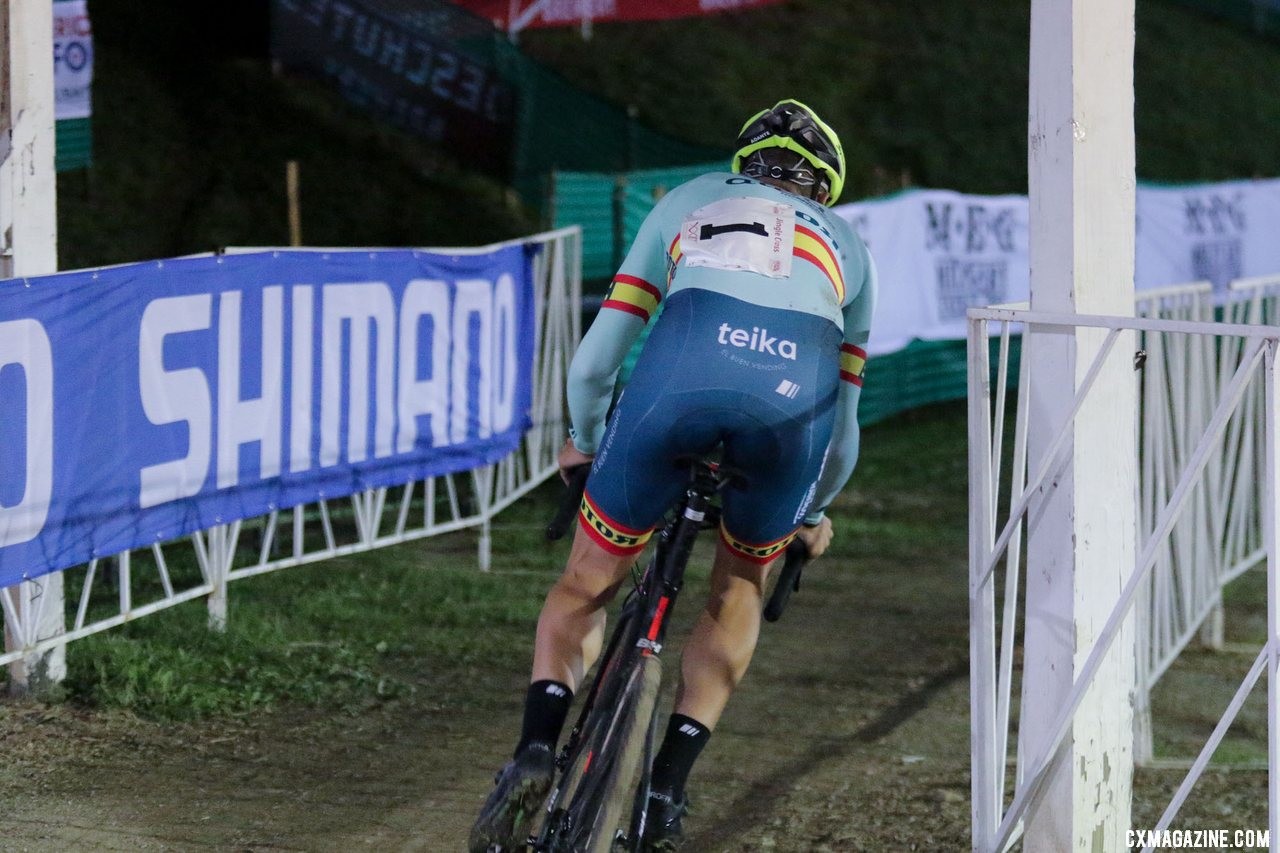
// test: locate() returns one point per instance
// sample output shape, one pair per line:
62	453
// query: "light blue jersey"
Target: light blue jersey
734	236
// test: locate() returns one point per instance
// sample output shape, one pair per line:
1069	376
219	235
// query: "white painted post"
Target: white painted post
29	246
1213	631
1083	523
28	204
219	566
484	554
484	481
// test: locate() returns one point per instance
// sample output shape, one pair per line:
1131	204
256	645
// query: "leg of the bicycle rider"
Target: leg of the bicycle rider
720	647
715	658
571	625
569	638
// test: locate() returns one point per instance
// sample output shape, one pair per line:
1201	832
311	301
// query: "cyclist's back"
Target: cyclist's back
733	235
757	288
766	301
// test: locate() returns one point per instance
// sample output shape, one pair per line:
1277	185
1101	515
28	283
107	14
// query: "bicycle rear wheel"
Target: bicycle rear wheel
601	779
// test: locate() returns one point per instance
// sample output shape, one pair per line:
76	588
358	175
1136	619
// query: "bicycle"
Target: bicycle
610	747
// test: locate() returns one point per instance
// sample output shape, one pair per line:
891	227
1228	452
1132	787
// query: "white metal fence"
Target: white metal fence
136	583
1220	535
1207	511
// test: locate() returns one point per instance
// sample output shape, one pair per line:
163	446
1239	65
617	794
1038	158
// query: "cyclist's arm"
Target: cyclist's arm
594	371
842	453
632	299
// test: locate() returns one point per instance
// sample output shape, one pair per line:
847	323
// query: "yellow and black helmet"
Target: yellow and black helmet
793	126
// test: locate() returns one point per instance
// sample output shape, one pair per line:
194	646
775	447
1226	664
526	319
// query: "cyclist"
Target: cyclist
767	299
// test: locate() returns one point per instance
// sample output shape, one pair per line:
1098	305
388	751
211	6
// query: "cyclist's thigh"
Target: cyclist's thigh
782	462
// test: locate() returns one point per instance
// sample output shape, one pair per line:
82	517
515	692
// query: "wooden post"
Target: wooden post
295	209
28	247
1082	534
28	201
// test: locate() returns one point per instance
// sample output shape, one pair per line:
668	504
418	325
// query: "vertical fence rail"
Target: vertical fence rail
1271	506
332	528
987	796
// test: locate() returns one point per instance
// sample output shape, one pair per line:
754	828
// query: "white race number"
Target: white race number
741	234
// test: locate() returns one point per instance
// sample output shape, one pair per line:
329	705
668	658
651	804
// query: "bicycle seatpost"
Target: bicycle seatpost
704	483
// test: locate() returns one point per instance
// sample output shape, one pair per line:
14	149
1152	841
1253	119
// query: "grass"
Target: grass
339	634
351	631
336	634
1192	696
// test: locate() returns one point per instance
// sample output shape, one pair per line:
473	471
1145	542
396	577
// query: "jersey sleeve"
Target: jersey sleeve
632	299
842	452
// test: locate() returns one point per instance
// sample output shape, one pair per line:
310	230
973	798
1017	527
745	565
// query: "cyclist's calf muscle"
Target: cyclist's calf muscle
571	626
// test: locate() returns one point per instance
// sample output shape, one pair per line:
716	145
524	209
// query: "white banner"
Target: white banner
72	59
1208	232
940	252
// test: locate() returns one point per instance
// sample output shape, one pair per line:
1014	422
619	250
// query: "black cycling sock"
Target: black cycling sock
546	706
680	748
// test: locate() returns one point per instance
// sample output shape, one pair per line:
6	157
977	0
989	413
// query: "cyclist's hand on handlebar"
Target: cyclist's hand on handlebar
571	457
816	538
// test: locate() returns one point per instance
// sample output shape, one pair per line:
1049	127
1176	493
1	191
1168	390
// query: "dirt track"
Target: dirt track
850	733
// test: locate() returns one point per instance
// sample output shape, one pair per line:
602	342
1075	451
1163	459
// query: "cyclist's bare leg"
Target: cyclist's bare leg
570	634
571	626
720	647
715	658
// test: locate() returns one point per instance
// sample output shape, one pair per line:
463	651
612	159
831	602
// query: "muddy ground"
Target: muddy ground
850	733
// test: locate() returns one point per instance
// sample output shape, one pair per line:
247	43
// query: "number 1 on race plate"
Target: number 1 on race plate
741	234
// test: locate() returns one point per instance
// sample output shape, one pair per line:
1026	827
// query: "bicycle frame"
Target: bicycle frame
641	630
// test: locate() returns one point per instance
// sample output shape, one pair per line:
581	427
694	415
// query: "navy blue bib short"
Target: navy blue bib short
715	371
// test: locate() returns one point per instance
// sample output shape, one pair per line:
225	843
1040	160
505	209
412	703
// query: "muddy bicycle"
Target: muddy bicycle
598	804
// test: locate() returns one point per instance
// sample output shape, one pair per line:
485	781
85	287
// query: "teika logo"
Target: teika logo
757	340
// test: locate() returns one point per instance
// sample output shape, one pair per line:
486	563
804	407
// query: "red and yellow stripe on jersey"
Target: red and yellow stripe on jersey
853	361
812	248
759	554
608	534
633	295
674	254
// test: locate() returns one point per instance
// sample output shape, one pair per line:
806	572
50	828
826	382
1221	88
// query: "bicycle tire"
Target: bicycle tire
602	695
642	699
599	783
566	805
643	787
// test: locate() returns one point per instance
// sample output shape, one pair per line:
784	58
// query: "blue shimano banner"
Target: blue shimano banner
143	402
